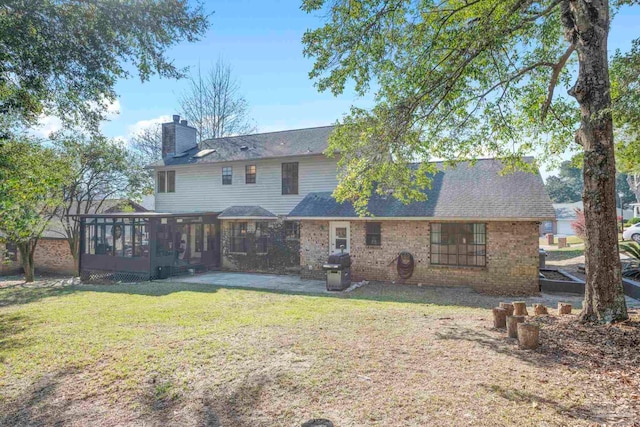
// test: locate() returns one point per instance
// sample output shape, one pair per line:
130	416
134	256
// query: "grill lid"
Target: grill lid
340	258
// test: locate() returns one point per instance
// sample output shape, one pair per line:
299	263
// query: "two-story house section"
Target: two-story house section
264	203
252	182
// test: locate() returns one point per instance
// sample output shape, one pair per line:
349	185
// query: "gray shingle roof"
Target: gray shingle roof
464	191
246	212
297	142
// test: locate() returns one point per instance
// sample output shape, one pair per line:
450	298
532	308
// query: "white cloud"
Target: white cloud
46	126
51	123
140	125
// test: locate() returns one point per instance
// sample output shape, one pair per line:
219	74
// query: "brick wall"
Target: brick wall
53	256
512	256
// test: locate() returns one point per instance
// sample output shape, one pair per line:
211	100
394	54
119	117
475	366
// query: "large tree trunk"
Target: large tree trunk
587	24
26	257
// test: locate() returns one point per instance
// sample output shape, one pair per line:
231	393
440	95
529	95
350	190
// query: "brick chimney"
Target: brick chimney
177	137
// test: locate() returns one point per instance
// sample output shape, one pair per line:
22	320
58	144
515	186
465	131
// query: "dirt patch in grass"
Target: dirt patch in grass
161	354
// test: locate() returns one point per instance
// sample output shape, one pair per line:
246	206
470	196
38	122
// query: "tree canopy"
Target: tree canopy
466	79
63	57
31	181
100	170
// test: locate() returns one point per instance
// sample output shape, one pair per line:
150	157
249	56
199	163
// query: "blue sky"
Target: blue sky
261	41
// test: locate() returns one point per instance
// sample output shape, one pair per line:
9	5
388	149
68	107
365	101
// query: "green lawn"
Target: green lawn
170	354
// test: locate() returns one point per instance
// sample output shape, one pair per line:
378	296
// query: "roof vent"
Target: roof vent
244	148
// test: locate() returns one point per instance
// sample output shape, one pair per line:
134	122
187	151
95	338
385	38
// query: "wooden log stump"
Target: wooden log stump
512	325
564	308
499	318
539	310
507	306
520	308
528	335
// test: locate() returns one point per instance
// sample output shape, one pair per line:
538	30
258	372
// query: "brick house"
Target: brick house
270	194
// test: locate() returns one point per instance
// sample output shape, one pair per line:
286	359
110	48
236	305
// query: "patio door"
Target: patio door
339	236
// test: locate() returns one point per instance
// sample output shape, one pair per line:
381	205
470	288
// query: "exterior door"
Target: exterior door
339	236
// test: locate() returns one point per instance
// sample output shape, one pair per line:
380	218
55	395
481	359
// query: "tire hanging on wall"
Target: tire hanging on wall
405	265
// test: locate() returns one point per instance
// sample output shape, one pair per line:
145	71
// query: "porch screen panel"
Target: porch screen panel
462	244
238	237
262	237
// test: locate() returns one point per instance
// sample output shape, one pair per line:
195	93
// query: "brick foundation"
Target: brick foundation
511	267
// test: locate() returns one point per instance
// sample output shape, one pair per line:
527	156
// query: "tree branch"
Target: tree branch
555	73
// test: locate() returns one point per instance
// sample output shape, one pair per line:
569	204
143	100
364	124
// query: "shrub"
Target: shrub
578	225
633	221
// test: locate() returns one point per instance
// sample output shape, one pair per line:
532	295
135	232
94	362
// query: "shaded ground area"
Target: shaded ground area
194	354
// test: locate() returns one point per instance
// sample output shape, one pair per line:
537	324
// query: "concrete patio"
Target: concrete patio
255	281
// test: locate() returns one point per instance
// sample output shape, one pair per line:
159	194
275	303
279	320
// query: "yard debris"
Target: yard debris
528	336
520	308
539	309
512	325
564	308
499	318
356	285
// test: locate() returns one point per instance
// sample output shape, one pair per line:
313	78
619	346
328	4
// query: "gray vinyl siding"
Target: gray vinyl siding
199	188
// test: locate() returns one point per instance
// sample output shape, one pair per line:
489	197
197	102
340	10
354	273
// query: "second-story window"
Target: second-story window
227	175
171	181
162	182
290	178
166	182
250	174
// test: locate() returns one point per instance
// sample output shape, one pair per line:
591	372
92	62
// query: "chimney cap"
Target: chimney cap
176	118
183	122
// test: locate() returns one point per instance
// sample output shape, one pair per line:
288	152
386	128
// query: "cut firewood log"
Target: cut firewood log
528	335
512	325
507	306
564	308
539	309
499	318
520	308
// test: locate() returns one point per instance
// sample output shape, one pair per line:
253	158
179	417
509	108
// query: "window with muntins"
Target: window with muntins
162	182
171	181
250	174
292	230
227	175
462	244
239	237
290	178
374	234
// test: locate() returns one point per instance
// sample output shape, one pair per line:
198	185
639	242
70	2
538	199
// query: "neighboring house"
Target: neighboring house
635	207
270	197
566	214
52	253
